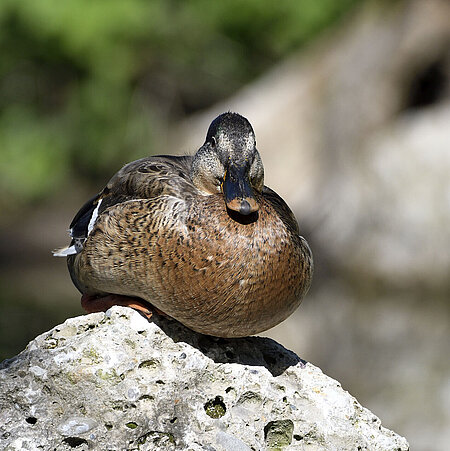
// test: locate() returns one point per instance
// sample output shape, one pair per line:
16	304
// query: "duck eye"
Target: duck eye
213	141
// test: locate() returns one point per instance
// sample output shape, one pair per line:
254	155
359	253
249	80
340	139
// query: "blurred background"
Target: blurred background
350	102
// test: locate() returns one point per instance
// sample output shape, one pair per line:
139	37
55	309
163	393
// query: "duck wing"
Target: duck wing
282	208
141	179
286	215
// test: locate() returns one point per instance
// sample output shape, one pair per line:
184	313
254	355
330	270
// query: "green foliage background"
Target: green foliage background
84	84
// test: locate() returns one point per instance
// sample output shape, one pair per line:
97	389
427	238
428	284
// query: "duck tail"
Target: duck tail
65	251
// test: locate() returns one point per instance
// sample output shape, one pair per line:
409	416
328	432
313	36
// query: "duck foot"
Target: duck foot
94	304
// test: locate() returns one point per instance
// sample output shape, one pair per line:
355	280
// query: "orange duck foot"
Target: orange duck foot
94	304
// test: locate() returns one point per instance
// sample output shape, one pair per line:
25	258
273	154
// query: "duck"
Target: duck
198	238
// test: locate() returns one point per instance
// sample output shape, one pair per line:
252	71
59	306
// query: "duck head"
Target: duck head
229	163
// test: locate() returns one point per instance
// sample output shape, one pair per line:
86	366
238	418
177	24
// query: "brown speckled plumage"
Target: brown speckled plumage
161	236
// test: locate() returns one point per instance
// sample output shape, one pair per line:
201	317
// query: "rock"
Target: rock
115	381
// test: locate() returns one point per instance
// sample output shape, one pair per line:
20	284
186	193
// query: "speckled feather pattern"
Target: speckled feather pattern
197	264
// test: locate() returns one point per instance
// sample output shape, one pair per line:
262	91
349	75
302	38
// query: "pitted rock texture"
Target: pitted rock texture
114	381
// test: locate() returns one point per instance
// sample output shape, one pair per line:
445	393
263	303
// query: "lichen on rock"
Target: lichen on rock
116	381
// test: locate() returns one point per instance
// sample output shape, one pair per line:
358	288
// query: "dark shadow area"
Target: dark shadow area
243	219
252	351
428	86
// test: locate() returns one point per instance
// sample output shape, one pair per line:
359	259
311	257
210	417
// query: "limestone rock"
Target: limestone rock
115	381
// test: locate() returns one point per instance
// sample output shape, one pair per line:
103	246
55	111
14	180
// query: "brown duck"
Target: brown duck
198	237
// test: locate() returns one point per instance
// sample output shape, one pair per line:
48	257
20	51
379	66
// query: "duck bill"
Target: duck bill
238	193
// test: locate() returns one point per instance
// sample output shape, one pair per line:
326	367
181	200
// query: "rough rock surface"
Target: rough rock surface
115	381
